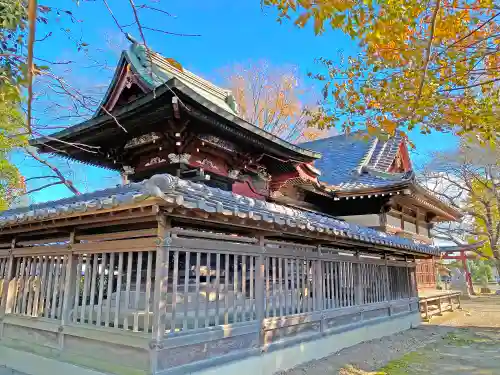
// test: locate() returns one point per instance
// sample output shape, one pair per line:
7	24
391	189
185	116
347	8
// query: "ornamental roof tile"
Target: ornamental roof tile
190	195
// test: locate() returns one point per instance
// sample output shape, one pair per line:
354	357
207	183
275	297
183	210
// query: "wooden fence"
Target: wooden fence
184	287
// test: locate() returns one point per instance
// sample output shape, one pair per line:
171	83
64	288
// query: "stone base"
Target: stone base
268	363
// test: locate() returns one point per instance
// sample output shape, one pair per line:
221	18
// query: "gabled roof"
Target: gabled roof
194	196
358	164
155	70
355	161
159	76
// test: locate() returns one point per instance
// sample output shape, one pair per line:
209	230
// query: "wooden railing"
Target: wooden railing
438	304
180	287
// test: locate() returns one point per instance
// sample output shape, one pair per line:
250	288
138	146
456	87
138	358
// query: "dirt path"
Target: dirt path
464	342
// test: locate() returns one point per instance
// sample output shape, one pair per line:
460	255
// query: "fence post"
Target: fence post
259	292
164	240
320	300
359	282
408	278
6	306
387	285
161	278
69	287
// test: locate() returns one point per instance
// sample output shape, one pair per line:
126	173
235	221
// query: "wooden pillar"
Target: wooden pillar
318	274
259	290
7	290
161	277
386	276
69	287
408	278
358	297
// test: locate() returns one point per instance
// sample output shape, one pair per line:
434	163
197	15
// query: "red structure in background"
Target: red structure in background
446	253
426	274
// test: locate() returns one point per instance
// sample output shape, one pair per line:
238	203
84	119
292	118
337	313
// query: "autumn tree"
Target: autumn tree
274	99
469	180
434	64
39	96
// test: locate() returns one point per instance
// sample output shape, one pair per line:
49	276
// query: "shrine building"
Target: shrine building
225	249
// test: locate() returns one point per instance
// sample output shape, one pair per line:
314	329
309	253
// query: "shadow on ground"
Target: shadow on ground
465	342
468	343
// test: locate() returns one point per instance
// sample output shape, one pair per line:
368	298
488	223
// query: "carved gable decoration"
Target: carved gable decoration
142	140
402	161
217	142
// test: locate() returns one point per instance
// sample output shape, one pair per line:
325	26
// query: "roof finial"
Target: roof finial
131	38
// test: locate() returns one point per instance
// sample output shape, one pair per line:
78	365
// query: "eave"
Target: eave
195	106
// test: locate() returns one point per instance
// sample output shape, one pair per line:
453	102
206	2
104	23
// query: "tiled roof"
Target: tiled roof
196	196
163	71
351	162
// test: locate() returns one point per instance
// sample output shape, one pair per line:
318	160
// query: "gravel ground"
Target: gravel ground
464	342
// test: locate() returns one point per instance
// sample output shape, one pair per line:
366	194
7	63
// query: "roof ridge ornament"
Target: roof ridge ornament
131	38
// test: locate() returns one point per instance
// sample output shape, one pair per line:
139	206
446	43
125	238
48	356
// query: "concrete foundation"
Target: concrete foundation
265	361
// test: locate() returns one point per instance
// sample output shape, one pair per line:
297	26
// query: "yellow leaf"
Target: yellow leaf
389	126
177	65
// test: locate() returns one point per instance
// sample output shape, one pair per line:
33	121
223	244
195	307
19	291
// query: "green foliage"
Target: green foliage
481	271
427	64
12	78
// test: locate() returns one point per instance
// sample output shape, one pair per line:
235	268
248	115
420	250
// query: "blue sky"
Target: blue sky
231	32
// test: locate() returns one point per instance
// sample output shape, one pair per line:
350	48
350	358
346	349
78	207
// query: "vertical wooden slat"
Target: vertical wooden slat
62	283
95	268
24	289
299	287
109	289
36	294
217	288
116	321
259	291
235	288
147	301
68	285
207	289
187	266
55	285
287	305
252	287
350	284
86	282
243	287
21	285
315	295
292	285
175	278
101	289
343	284
280	278
305	281
19	267
31	287
137	291
273	292
130	257
197	288
268	287
50	287
338	283
329	290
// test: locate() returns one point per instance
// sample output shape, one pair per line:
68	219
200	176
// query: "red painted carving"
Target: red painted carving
402	162
246	188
